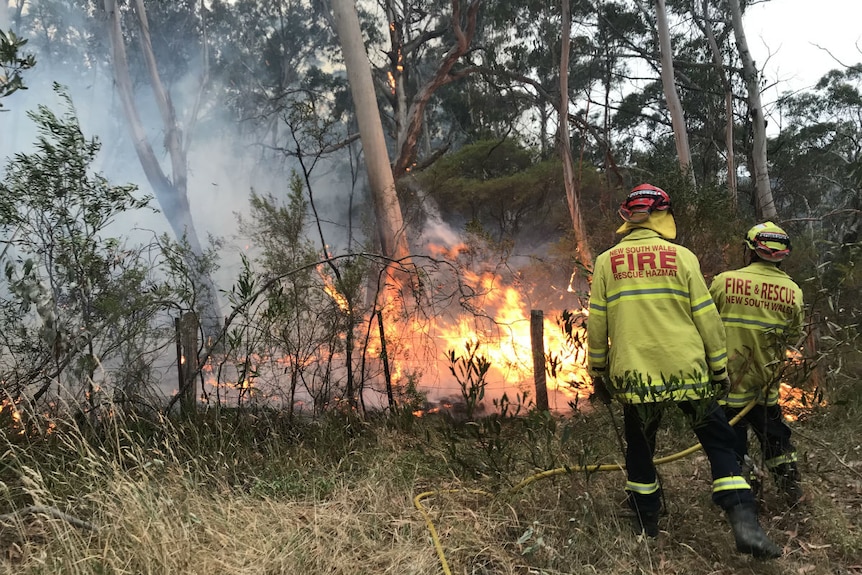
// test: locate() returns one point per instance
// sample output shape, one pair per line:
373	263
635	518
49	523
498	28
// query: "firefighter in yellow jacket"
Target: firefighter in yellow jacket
655	338
762	311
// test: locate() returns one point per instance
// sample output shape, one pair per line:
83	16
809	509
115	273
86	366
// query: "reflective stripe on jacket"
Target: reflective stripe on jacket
762	311
650	302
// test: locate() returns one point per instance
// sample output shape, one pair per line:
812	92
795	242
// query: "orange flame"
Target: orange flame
332	291
795	400
499	321
17	418
495	314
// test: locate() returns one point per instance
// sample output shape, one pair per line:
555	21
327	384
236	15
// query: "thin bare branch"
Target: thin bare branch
52	512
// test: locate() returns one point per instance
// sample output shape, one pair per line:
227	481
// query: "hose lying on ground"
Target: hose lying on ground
417	501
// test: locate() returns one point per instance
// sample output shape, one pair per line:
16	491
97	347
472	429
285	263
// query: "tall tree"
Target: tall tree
765	204
171	192
12	63
387	207
74	297
668	81
411	120
573	196
704	19
817	156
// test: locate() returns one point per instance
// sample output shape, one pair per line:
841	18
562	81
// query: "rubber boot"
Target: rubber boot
749	535
787	478
646	523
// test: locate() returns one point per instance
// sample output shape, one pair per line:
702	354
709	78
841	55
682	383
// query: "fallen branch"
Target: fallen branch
50	512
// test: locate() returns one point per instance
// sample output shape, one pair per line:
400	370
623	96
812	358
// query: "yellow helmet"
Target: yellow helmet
768	241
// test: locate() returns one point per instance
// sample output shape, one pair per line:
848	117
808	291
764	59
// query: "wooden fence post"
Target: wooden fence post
385	358
187	348
537	339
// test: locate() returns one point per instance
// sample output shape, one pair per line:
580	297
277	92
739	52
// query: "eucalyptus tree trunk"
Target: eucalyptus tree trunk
709	32
585	256
387	208
668	82
763	190
171	193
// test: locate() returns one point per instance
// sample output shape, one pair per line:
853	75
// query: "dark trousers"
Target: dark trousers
768	425
707	419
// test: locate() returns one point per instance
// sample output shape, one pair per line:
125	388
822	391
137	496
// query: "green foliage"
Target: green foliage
269	54
542	431
818	173
409	395
508	408
499	185
499	445
292	484
815	158
79	297
304	312
183	269
470	371
278	229
574	328
573	325
480	448
12	64
276	320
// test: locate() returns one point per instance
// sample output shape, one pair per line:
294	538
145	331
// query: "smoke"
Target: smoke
225	159
435	231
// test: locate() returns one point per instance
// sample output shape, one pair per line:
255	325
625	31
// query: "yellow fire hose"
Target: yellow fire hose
417	501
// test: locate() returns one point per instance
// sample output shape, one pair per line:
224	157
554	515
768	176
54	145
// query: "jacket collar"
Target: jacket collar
660	222
640	234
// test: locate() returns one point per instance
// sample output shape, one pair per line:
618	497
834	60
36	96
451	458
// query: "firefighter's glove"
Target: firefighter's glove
720	384
600	390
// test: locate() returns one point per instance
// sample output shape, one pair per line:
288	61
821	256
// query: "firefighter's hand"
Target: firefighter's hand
600	390
721	384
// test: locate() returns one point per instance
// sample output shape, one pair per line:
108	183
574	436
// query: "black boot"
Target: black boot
787	478
646	523
749	536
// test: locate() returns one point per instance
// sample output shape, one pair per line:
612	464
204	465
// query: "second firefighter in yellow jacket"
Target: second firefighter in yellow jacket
762	311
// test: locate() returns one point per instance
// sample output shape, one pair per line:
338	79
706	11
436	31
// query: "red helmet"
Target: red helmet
643	201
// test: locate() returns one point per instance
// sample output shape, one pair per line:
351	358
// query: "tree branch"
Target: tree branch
463	37
52	512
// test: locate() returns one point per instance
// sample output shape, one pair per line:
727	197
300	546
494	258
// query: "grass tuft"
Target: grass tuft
248	494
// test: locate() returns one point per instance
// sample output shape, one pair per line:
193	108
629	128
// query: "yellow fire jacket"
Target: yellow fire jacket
762	311
653	329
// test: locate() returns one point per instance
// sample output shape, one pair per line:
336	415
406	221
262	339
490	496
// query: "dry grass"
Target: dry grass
337	498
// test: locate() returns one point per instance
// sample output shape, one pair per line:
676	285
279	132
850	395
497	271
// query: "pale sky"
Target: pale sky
792	30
